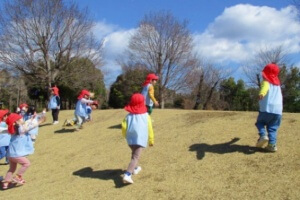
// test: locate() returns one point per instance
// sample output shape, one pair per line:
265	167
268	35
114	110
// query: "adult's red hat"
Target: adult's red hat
3	113
270	73
11	119
149	78
136	104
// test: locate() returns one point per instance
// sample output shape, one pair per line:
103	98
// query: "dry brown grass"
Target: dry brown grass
192	159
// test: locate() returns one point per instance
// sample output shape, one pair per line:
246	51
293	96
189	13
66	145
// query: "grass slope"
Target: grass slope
197	155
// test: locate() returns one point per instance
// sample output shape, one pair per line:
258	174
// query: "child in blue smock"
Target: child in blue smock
270	108
137	129
80	110
4	135
19	148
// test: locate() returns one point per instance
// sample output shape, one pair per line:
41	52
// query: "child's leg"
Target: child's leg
272	128
260	123
78	121
149	109
11	170
25	164
136	153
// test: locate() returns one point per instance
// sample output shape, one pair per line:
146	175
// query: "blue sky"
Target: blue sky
225	31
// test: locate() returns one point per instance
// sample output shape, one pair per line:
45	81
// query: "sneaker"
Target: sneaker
127	179
271	148
262	141
137	170
18	179
55	122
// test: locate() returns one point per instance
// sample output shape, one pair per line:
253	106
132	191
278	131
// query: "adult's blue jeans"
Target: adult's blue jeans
3	152
268	122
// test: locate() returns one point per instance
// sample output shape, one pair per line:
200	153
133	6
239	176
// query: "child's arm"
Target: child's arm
151	94
124	127
83	100
150	132
3	129
265	86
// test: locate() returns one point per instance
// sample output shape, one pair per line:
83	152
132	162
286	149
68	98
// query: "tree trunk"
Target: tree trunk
198	97
209	96
258	80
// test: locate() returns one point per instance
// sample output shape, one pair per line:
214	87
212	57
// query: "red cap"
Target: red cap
23	105
270	73
83	93
136	104
55	91
2	113
11	119
149	78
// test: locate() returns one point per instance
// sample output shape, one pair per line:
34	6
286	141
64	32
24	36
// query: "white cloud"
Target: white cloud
233	37
115	42
241	30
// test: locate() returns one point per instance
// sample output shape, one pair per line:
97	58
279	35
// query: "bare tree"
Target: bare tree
39	38
163	45
264	56
207	76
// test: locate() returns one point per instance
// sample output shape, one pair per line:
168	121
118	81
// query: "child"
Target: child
270	108
148	92
20	146
137	128
90	108
23	109
54	104
33	118
80	110
4	136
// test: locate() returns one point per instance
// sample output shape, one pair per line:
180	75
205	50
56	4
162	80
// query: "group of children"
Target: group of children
18	134
136	126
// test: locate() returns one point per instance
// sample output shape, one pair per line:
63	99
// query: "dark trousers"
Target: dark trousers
55	114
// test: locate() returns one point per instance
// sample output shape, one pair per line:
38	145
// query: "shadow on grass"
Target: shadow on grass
118	126
47	124
228	147
64	130
109	174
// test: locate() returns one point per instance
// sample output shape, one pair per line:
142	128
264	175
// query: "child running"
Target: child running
80	110
20	146
137	129
270	108
148	92
4	136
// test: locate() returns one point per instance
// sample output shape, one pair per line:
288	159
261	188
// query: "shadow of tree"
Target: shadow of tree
64	130
109	174
223	148
118	126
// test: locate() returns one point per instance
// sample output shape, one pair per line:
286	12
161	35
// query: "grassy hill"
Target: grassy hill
196	155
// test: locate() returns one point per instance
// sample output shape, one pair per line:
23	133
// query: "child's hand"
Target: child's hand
150	145
260	97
